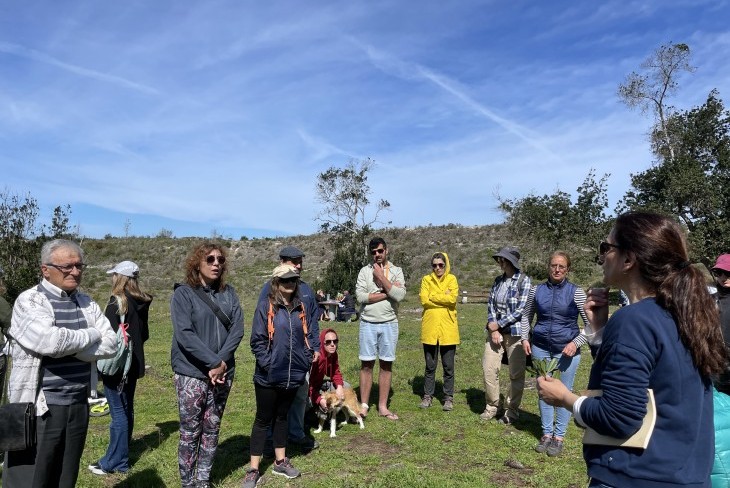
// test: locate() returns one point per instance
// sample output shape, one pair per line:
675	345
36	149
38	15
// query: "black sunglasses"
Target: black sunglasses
288	280
717	272
604	247
211	259
438	265
67	268
329	342
377	251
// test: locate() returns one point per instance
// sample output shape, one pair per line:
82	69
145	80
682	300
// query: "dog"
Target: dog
350	406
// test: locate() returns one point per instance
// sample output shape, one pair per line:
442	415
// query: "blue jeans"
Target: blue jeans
568	366
121	409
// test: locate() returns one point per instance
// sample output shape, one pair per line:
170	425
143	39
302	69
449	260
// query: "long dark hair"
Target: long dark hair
661	252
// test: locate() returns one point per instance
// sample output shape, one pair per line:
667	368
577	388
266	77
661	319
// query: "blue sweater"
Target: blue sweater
641	349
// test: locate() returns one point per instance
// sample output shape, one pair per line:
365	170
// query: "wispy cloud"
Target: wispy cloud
195	113
27	53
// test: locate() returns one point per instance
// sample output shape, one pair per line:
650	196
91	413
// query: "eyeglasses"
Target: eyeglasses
719	273
212	259
377	251
288	280
329	342
559	267
604	247
67	268
438	265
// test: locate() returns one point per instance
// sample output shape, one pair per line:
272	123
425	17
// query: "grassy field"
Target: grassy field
424	448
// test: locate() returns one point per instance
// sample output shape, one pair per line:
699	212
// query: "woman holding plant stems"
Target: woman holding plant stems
128	301
556	335
668	340
439	328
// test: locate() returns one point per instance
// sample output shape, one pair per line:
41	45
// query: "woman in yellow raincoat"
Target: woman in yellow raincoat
439	328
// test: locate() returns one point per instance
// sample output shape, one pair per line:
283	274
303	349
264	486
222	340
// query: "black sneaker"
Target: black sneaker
306	443
252	479
97	469
285	468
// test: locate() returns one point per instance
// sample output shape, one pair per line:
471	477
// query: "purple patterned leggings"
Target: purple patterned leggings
201	408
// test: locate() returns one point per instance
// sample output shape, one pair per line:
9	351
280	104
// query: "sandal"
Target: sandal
364	407
390	416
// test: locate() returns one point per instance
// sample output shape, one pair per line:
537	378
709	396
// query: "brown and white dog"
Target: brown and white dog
350	406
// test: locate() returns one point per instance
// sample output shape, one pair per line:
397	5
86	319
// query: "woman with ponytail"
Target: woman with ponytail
667	340
130	305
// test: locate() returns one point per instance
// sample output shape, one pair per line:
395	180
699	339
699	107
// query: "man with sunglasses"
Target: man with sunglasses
721	273
380	287
55	335
295	257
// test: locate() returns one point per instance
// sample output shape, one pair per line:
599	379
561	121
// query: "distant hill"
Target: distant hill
469	248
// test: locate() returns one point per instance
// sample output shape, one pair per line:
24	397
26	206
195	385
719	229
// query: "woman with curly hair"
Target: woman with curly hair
207	323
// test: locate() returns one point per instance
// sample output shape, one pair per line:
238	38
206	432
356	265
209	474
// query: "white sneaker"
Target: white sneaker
97	469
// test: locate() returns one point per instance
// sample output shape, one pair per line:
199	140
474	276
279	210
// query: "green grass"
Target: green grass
425	448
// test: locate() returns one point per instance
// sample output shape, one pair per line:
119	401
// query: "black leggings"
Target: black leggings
272	409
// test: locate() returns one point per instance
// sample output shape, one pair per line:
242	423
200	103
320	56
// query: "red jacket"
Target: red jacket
326	366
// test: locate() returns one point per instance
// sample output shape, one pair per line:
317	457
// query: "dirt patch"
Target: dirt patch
368	443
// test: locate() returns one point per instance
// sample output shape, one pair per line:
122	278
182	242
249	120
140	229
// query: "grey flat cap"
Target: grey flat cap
291	252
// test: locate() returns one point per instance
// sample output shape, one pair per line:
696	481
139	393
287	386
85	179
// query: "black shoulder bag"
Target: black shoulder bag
17	426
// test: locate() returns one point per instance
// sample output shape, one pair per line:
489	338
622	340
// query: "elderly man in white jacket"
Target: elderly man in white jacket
56	333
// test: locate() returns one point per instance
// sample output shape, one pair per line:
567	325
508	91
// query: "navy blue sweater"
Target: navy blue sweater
641	349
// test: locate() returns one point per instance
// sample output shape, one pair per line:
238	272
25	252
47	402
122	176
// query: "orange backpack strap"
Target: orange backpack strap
303	318
270	325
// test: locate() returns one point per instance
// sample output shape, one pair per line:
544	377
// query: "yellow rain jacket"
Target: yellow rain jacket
438	297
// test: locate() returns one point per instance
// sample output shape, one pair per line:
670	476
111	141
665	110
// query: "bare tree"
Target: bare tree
344	194
650	89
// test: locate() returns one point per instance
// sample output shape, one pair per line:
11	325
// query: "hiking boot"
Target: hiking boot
488	415
542	446
252	478
285	468
306	443
555	448
448	404
426	401
202	484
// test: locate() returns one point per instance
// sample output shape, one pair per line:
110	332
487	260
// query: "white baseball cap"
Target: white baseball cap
126	268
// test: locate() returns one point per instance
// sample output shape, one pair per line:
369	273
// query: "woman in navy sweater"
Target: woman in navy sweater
668	340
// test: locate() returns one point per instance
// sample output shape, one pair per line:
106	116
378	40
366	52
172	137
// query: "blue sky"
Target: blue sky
217	116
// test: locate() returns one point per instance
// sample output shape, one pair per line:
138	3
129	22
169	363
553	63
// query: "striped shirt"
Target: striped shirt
65	380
